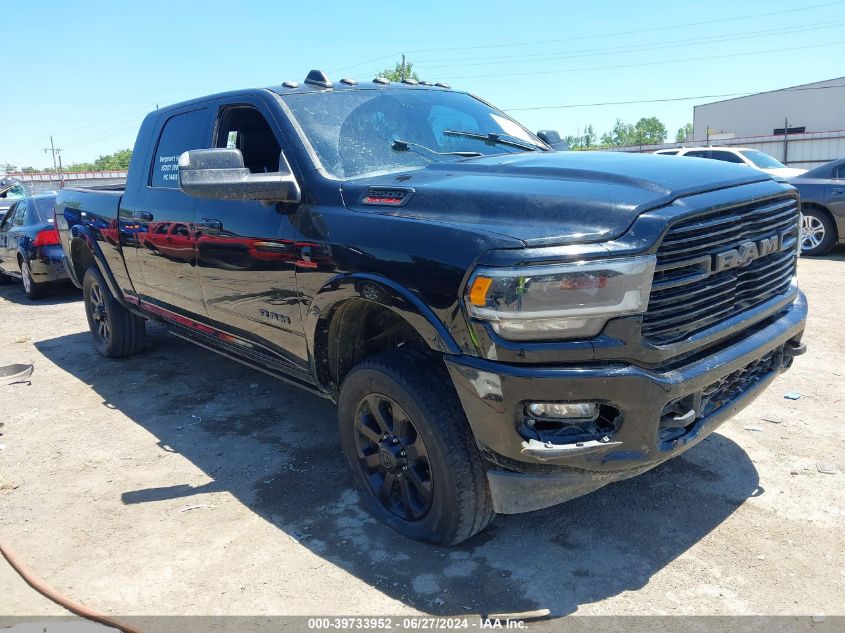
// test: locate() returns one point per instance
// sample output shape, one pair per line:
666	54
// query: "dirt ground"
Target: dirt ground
178	482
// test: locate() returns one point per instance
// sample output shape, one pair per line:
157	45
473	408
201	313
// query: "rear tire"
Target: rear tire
116	331
33	289
818	232
412	454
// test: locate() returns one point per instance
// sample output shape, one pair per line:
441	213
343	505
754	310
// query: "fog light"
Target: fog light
563	410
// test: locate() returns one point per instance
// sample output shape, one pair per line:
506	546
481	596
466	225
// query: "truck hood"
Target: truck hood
547	198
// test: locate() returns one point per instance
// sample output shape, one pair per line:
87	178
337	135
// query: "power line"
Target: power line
631	48
666	99
634	32
640	64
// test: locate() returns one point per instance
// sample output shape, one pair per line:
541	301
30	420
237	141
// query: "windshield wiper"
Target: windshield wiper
492	138
407	146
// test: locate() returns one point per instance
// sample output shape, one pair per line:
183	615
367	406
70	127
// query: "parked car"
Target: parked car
30	249
739	155
11	189
822	192
503	327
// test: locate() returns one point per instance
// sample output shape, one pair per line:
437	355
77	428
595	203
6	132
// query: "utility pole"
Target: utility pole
56	152
785	140
403	66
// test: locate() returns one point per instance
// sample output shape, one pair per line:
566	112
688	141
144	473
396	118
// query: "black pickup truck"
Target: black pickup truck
503	327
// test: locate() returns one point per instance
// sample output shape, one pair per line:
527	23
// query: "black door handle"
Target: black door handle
837	190
209	223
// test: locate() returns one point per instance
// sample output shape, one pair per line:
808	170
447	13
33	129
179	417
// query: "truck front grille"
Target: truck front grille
716	265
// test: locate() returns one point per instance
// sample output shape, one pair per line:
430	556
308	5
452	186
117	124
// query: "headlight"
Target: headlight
561	301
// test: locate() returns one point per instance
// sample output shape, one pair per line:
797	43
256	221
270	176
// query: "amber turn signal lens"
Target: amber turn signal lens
478	292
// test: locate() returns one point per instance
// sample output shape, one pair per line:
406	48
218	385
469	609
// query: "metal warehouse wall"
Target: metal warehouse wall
49	182
800	150
818	107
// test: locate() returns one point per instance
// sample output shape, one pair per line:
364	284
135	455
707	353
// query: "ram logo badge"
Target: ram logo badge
747	252
274	316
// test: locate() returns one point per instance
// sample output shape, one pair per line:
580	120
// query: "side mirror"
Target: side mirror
552	138
220	174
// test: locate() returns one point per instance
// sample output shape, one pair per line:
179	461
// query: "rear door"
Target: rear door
835	193
246	249
14	234
5	226
169	276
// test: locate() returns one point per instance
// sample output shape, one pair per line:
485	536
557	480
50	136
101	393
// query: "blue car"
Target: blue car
29	246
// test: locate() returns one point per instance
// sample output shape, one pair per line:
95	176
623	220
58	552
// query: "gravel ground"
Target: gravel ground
178	482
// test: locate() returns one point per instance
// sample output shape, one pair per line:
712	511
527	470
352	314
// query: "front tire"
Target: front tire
409	446
818	232
116	331
33	289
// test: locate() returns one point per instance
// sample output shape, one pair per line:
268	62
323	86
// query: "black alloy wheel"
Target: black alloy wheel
98	312
393	457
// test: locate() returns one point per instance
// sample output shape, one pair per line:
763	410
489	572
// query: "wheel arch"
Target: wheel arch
84	252
817	206
356	316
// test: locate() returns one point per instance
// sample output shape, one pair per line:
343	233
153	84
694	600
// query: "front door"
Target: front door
245	249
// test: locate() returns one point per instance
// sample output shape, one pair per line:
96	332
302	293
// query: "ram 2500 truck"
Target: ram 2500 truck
503	327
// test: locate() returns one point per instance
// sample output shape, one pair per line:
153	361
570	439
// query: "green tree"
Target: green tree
649	131
8	167
28	170
620	135
684	133
586	140
395	74
646	131
118	160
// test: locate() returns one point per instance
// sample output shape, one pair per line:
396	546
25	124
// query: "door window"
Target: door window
839	172
699	154
728	157
20	214
244	128
181	133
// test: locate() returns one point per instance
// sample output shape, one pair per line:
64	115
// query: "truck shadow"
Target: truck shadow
234	423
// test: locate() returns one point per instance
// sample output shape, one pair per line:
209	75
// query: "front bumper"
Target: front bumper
527	476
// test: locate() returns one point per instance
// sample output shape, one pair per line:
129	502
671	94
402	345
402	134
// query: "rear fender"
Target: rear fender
82	237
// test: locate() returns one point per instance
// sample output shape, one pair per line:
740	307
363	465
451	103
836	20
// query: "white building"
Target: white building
814	114
816	107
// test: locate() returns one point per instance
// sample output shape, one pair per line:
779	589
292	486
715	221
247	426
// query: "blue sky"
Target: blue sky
87	72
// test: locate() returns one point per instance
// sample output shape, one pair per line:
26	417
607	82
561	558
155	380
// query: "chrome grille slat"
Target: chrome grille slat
692	251
682	309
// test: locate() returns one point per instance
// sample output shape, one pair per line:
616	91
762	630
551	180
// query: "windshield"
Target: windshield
355	132
12	191
762	160
44	208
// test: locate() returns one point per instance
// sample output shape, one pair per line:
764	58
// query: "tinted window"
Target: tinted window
839	172
181	133
353	132
669	153
42	209
761	160
20	214
699	154
728	157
